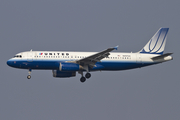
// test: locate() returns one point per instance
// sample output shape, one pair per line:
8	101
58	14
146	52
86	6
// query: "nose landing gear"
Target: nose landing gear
29	76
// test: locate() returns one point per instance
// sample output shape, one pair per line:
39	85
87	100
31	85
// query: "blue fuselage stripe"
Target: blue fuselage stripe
54	64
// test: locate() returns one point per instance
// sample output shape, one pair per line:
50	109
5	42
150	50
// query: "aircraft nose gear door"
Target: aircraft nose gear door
30	56
138	59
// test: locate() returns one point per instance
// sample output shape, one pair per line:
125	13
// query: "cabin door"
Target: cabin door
30	56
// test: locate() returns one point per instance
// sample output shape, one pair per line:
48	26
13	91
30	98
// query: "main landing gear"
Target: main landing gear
29	76
88	75
83	79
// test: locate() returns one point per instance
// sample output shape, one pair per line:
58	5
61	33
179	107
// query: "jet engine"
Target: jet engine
69	67
57	73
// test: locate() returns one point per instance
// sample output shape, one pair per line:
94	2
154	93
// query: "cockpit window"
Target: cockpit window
18	56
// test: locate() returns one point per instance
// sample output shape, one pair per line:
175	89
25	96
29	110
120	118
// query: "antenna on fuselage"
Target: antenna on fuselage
31	50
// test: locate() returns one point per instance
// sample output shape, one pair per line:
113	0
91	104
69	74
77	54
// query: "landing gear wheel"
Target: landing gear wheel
88	75
83	79
28	77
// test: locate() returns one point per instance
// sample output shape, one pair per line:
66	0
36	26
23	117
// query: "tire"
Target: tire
28	77
88	75
82	79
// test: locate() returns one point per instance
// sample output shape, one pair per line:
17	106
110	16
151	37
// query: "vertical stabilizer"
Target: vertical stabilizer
157	43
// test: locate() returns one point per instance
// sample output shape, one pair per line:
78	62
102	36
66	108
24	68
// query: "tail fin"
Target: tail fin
157	43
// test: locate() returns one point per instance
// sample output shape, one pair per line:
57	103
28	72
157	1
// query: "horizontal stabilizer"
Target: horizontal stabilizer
161	56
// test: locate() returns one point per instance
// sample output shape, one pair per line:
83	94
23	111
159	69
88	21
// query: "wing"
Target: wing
91	60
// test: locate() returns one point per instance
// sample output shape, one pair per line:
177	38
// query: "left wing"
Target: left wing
91	60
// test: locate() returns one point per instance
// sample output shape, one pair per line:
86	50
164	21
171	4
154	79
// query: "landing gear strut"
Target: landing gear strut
29	76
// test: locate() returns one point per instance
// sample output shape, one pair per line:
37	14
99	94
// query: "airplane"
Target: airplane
65	64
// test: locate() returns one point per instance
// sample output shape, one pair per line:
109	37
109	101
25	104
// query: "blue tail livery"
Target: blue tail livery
157	43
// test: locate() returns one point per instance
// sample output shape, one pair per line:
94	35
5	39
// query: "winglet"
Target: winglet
116	47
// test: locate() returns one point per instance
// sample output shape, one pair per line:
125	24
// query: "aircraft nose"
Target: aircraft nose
9	62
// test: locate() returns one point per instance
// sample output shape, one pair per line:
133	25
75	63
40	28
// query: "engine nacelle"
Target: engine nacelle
57	73
69	67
